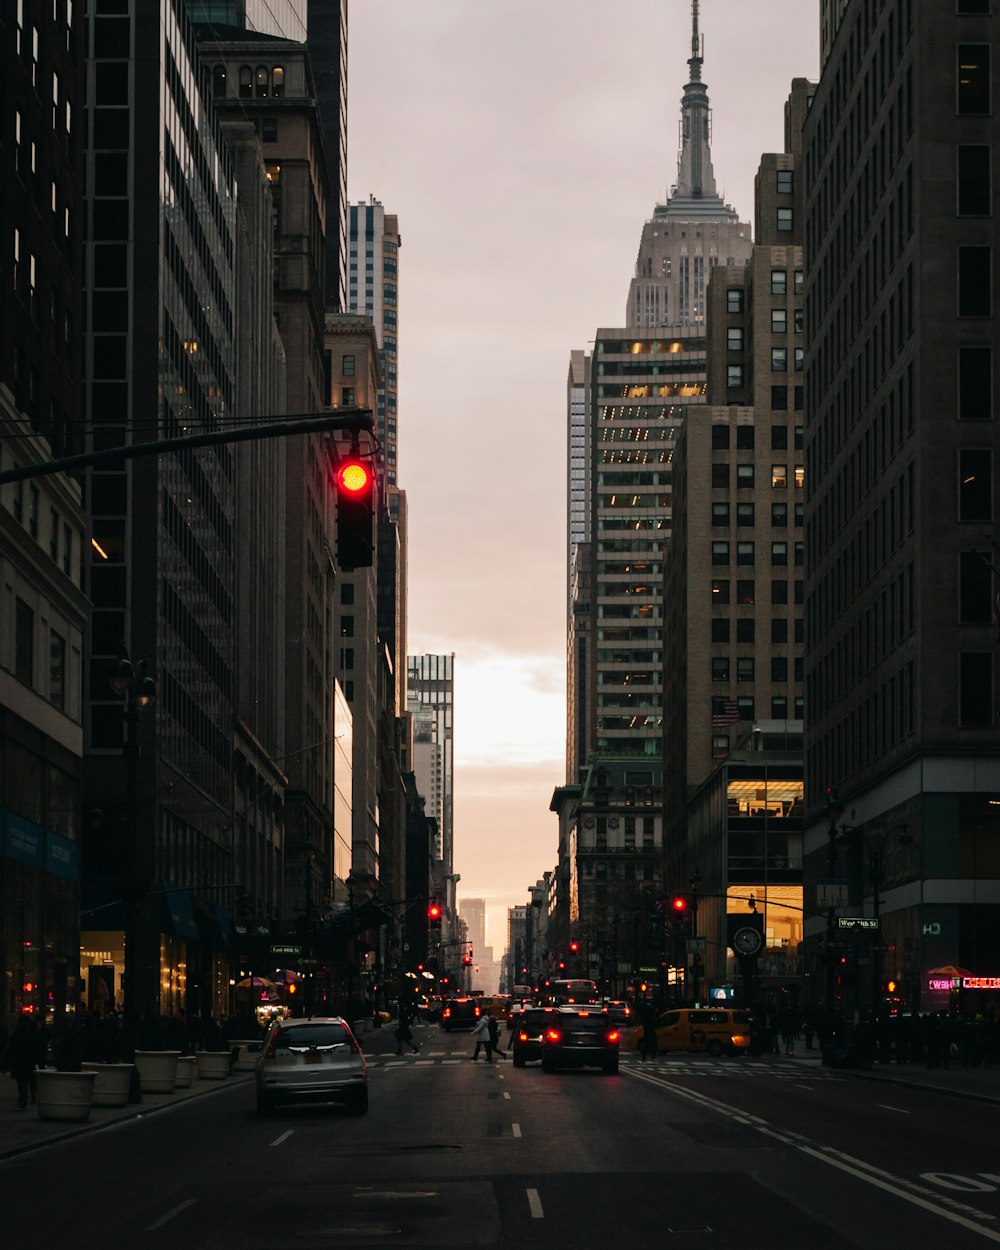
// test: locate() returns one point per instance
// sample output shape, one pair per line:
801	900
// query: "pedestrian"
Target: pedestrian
495	1037
20	1059
647	1042
482	1035
404	1033
788	1026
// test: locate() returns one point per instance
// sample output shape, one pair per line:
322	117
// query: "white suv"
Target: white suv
313	1060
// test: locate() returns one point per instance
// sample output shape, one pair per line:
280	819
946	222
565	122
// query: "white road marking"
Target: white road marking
506	1095
535	1205
284	1137
423	1063
165	1219
908	1191
799	1085
517	1129
885	1106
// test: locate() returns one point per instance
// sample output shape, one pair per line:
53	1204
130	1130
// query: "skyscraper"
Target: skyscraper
692	232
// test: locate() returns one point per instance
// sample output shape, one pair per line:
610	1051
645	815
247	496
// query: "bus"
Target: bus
573	990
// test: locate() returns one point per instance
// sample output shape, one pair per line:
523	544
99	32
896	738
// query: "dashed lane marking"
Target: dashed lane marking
174	1211
535	1205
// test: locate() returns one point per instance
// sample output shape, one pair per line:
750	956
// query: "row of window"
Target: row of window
745	438
253	82
746	630
745	474
746	517
781	708
746	667
745	594
25	657
746	551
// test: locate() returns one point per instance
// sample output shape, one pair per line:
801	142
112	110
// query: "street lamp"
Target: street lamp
137	687
850	836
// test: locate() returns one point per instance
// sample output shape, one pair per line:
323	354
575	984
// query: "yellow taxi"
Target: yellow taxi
709	1030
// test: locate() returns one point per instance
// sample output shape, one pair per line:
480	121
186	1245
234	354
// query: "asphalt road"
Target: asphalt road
692	1153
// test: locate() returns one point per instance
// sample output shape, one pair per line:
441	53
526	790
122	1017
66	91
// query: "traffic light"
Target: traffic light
562	965
434	914
354	480
679	904
293	988
682	915
574	947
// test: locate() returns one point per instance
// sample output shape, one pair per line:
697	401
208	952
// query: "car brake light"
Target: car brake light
553	1035
522	1037
447	1012
613	1035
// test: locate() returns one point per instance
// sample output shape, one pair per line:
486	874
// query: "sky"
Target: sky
522	145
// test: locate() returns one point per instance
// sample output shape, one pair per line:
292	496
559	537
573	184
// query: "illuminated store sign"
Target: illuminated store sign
947	984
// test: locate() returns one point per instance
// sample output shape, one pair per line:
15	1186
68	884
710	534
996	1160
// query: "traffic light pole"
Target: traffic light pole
354	420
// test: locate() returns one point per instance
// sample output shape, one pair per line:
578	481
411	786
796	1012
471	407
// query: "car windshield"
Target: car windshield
312	1037
534	1019
593	1022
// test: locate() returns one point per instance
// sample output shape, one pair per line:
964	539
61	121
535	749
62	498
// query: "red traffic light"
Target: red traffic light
433	911
574	947
678	903
354	478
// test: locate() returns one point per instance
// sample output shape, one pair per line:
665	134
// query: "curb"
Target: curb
133	1112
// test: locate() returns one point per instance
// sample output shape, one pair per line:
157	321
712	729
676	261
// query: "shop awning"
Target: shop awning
177	914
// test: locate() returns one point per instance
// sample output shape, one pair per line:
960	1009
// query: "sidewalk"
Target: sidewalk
980	1083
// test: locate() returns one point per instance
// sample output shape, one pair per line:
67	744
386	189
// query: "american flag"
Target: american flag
725	712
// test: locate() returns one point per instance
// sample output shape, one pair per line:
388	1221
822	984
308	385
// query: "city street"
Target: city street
774	1151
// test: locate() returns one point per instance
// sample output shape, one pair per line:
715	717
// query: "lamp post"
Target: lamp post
137	687
849	836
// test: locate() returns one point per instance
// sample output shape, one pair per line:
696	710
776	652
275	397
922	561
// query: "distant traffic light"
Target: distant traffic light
679	904
434	912
354	480
574	947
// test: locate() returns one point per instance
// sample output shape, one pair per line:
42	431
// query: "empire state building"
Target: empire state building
695	229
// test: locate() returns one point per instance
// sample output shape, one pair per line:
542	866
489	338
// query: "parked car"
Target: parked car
619	1011
528	1032
579	1036
311	1060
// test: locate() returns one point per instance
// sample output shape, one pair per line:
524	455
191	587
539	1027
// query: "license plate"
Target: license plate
313	1058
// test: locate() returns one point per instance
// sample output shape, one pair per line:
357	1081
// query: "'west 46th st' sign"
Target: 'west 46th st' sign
857	922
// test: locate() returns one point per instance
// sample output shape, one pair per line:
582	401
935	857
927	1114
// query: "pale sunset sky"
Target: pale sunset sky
522	145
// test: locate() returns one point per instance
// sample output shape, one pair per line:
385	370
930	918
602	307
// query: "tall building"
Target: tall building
901	446
692	232
431	706
161	571
473	912
327	21
43	527
373	290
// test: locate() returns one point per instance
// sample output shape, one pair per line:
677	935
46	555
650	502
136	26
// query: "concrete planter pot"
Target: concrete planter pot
185	1072
246	1059
213	1065
65	1095
111	1089
157	1070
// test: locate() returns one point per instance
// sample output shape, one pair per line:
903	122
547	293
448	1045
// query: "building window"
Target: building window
720	476
974	79
785	220
779	437
720	515
779	281
974	190
720	629
975	383
779	553
720	553
720	746
975	484
745	514
720	437
720	591
278	81
720	667
746	708
779	476
269	129
32	510
24	642
744	668
744	592
975	583
347	627
975	700
734	338
779	359
975	281
779	669
779	591
800	360
218	81
779	515
54	534
779	629
744	438
57	670
800	476
779	707
779	398
744	553
347	366
734	377
800	437
785	181
779	320
973	6
745	629
347	396
734	299
246	82
744	476
800	559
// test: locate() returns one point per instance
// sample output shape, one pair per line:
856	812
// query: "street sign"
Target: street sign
857	922
286	950
307	961
831	894
696	945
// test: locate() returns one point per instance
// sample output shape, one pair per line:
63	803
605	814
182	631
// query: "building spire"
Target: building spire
695	179
696	45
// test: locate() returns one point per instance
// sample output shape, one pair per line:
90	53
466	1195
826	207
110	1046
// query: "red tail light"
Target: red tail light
522	1037
613	1035
553	1035
446	1013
